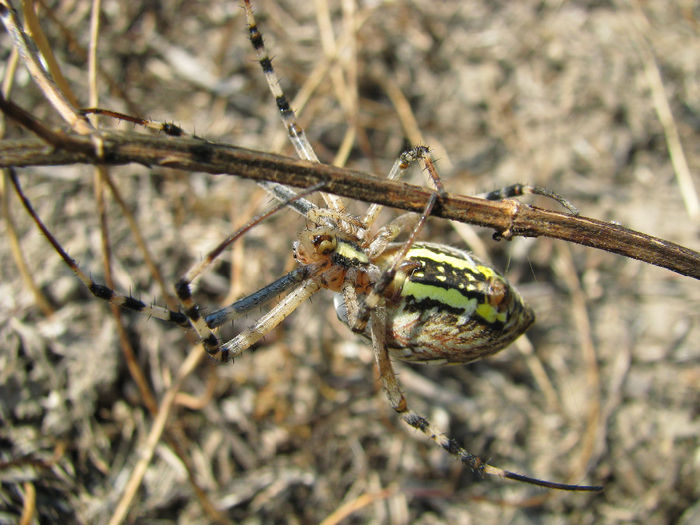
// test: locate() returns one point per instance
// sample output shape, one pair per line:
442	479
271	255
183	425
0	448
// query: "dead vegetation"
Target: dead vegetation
557	94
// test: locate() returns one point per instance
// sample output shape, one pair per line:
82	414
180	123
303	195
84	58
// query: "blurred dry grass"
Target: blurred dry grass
553	93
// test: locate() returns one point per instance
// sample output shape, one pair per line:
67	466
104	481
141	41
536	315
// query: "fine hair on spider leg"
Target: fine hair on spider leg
166	127
515	190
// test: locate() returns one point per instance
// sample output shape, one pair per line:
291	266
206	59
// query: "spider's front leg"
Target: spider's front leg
197	321
359	322
271	319
302	285
204	325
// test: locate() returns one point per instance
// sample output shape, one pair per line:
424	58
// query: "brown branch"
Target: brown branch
509	218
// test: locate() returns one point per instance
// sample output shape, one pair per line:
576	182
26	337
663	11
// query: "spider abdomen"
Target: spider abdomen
451	308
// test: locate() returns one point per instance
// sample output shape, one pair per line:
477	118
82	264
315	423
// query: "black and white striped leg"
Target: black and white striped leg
183	290
98	290
516	190
398	402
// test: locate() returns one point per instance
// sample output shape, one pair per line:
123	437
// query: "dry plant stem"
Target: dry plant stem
102	177
137	374
351	507
20	261
81	53
637	29
29	508
148	259
32	62
164	410
508	218
92	51
564	266
64	100
32	23
536	367
41	301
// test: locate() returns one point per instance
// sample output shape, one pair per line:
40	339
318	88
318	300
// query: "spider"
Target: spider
416	301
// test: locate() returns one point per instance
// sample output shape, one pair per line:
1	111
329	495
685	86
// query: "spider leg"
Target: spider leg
271	319
257	299
405	160
296	133
515	190
398	402
98	290
183	288
166	127
386	234
375	296
335	219
280	192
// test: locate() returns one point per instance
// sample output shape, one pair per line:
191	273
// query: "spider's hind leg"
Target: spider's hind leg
398	402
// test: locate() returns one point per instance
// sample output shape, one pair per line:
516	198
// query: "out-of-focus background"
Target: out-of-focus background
565	95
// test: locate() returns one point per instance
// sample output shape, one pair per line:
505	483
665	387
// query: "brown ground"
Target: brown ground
553	93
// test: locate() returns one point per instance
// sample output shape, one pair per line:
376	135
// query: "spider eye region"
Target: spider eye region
325	244
315	246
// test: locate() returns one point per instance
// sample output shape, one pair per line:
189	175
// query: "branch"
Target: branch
508	218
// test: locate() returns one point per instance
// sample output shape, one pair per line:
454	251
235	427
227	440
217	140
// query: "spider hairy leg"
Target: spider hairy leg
192	317
280	192
98	290
272	318
515	190
296	133
398	402
257	299
166	127
405	160
183	285
372	300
